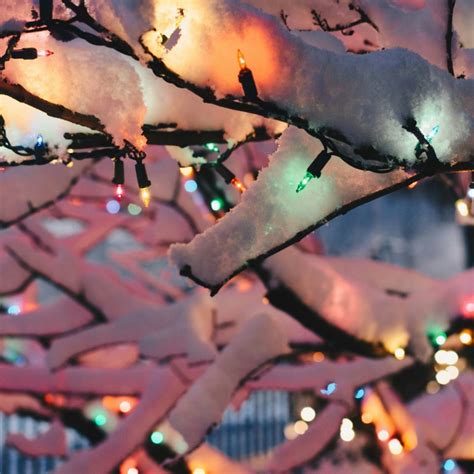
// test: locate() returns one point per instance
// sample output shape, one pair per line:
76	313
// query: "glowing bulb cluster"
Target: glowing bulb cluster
444	376
347	432
446	357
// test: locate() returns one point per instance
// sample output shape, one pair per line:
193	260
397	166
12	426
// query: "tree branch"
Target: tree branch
449	37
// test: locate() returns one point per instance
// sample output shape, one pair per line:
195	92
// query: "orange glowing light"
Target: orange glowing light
187	171
145	196
241	60
367	418
119	404
413	185
54	399
129	466
238	185
318	357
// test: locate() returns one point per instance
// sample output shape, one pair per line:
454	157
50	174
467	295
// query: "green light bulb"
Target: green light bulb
212	147
304	182
432	134
157	437
429	137
216	204
437	336
100	419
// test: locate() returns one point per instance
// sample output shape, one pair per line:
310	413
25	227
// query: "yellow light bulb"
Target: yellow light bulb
308	414
462	208
395	447
300	427
241	59
399	353
187	171
145	196
465	337
443	377
367	418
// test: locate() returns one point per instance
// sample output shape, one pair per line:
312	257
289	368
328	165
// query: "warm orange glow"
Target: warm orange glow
367	418
413	185
129	466
318	357
238	185
55	399
241	59
145	196
410	440
187	171
29	306
243	285
119	404
263	55
465	337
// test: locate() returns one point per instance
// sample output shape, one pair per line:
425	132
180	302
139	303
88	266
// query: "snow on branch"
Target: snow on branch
50	443
259	340
272	215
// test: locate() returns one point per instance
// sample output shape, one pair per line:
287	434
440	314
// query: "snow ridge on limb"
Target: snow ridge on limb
50	443
162	391
23	193
259	340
